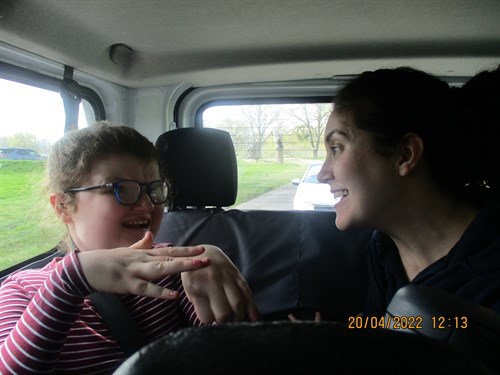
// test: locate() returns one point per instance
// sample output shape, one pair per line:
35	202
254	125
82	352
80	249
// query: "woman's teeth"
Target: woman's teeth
338	195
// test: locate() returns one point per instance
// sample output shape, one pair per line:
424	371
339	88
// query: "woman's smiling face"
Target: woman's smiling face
356	173
98	221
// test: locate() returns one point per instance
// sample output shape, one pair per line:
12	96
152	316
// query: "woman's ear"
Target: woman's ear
411	149
58	203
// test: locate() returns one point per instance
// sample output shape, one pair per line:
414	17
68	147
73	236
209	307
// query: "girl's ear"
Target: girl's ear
411	149
58	203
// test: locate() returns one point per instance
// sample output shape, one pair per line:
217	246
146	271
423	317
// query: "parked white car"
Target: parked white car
311	194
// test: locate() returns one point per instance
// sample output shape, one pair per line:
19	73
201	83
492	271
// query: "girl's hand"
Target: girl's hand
129	270
317	317
219	292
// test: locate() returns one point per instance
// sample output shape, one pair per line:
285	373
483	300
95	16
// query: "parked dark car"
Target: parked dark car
15	153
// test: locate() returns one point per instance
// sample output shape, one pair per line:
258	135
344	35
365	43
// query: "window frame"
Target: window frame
29	77
35	79
189	108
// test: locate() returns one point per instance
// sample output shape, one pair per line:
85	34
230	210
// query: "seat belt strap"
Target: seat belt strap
119	321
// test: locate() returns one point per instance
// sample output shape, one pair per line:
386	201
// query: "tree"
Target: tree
279	146
27	140
240	134
312	120
261	118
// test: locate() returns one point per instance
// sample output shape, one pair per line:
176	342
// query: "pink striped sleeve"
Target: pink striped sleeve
37	309
187	308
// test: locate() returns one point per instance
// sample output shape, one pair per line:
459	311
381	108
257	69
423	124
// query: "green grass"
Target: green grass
29	227
27	224
256	178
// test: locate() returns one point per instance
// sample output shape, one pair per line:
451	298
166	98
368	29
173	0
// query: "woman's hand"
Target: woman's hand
129	270
219	292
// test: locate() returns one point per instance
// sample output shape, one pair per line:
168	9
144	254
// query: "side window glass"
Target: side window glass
31	120
275	145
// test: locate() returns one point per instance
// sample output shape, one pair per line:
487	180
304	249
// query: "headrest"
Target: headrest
200	166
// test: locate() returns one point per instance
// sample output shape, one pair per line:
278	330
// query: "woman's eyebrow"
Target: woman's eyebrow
336	132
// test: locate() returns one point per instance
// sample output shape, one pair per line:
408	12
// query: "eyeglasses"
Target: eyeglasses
129	192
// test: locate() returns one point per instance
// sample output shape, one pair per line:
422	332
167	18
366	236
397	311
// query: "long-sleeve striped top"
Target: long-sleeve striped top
47	325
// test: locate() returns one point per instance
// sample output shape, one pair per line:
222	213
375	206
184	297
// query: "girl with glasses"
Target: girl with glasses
104	184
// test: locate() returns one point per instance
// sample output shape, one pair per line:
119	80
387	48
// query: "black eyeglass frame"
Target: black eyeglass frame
116	190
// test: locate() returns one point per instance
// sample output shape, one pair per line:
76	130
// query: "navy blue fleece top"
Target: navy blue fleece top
470	270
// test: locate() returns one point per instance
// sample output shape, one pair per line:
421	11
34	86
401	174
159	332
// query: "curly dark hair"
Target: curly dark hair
460	127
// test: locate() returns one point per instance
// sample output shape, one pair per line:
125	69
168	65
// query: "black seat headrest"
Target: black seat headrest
200	166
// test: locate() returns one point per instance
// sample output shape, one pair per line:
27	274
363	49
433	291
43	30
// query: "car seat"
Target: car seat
294	261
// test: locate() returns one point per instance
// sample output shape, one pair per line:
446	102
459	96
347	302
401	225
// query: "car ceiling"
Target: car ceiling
209	42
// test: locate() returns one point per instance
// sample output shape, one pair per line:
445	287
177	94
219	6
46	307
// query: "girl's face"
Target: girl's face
356	173
98	221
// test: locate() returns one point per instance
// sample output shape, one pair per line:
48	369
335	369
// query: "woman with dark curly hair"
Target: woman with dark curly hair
417	161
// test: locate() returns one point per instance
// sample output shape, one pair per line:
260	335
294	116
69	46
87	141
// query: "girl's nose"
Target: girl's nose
145	202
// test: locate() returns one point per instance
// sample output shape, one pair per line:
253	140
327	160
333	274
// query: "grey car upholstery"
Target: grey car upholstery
294	261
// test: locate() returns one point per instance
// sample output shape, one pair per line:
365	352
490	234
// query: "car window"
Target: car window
31	120
311	179
274	143
311	176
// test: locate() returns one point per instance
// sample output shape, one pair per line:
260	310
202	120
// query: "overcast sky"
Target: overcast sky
26	109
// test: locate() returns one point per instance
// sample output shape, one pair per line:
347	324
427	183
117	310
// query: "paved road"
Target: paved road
279	199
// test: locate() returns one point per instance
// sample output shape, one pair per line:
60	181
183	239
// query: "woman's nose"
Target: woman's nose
325	174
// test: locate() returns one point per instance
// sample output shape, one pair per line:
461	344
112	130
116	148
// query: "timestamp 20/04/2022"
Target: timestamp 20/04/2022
406	322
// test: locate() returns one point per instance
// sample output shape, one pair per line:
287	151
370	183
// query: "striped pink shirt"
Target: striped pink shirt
48	326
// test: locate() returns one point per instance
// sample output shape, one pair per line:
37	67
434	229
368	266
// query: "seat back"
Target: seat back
294	261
